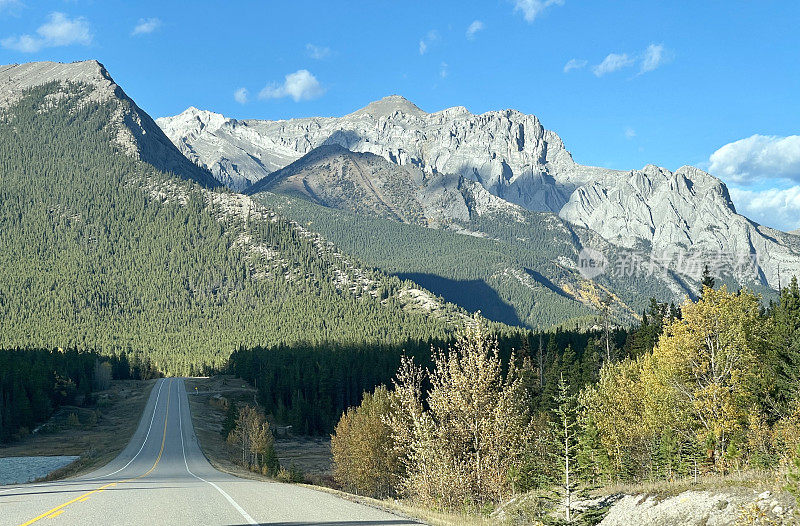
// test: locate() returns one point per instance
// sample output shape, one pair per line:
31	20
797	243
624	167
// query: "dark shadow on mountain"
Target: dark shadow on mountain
471	295
547	283
344	138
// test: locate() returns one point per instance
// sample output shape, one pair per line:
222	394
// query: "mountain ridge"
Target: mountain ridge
133	124
516	160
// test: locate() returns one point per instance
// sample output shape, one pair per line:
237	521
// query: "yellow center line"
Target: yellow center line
58	510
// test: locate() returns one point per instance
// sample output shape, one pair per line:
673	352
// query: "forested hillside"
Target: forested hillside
103	252
515	271
35	382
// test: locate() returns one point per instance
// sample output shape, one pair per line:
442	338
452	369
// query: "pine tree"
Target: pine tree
551	383
707	280
784	357
231	417
571	369
565	429
591	362
592	460
606	307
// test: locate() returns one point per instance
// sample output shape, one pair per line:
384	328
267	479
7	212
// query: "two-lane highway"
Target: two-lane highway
162	477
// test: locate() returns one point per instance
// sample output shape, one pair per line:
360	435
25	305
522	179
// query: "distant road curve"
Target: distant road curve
162	478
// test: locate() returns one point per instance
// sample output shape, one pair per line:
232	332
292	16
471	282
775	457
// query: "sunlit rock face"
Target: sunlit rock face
506	155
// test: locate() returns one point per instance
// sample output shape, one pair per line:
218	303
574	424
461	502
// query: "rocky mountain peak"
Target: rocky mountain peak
193	120
388	106
15	78
509	154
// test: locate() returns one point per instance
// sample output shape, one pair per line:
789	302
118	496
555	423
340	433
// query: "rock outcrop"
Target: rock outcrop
507	152
683	214
703	508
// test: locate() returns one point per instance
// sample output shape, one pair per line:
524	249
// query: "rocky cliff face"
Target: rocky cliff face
683	214
511	157
136	133
507	152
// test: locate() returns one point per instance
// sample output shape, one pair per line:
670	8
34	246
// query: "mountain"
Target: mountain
509	153
686	213
336	177
113	241
452	169
136	132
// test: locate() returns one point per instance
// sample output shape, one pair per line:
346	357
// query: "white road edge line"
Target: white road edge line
146	437
243	513
59	482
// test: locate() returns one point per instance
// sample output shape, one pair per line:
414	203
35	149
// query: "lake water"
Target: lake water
16	470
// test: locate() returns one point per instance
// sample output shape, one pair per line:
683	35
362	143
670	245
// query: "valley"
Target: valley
437	315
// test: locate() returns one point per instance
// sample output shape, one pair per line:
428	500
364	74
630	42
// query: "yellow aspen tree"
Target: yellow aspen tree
710	357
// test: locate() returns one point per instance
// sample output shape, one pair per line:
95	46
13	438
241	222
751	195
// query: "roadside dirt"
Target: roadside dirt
311	454
208	415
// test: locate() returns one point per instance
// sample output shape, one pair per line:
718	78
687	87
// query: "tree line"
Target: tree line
34	383
708	387
308	386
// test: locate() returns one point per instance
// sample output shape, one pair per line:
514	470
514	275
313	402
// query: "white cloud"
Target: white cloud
300	85
443	70
532	8
574	63
9	5
650	59
654	56
241	95
59	30
24	44
426	41
778	208
613	62
757	158
317	52
146	25
630	133
473	29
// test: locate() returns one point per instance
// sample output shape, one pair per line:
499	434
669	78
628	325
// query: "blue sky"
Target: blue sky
711	83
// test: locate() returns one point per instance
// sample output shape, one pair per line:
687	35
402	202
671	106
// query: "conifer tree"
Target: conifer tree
565	429
707	280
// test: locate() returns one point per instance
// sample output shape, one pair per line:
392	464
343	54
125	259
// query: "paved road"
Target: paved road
162	477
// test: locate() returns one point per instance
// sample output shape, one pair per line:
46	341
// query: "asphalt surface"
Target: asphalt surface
162	477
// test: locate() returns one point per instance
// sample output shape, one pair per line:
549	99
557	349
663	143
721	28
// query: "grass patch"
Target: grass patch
749	479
